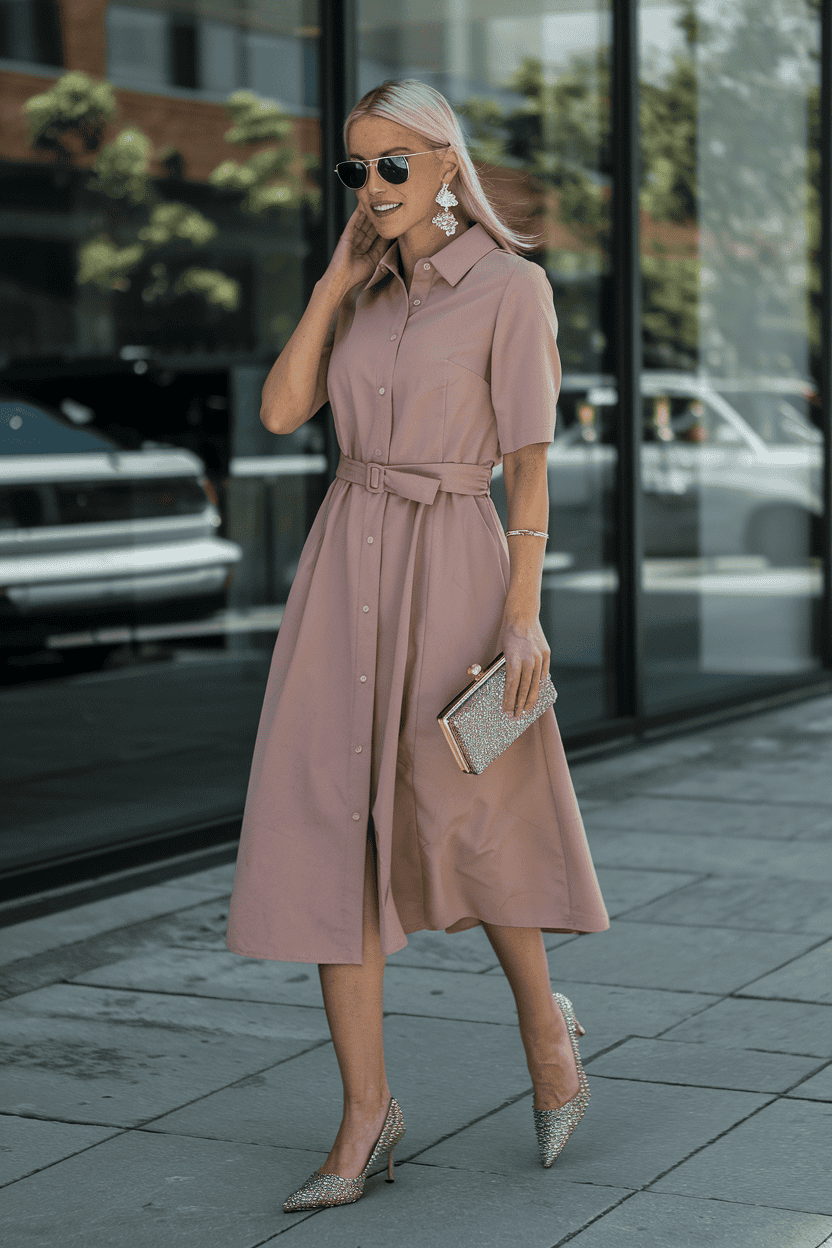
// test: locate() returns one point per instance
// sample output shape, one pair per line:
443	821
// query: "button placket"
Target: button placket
367	598
369	582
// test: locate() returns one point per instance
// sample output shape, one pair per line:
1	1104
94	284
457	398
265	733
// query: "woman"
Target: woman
434	342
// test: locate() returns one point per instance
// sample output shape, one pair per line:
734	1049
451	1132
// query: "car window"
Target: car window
28	430
584	423
686	419
777	418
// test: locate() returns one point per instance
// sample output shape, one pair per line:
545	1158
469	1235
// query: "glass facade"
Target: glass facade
166	206
531	83
732	454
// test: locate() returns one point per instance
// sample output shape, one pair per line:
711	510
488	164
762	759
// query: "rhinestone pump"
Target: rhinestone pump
321	1190
554	1126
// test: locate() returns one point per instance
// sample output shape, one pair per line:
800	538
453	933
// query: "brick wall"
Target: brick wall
194	127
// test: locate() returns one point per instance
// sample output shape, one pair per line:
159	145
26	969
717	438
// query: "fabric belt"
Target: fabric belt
417	481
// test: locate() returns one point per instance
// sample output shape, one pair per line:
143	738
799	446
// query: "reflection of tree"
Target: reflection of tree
559	135
728	191
754	73
145	239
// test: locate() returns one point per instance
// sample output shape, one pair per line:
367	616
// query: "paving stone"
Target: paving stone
23	940
629	767
780	1158
147	1190
29	1144
703	1065
444	1074
431	1208
631	1132
806	979
707	817
261	1020
219	879
762	904
87	1055
625	889
407	990
708	855
775	1026
765	782
689	1223
818	1088
462	951
212	973
200	927
654	955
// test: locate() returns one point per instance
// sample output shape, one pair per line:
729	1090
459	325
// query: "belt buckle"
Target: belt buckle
372	482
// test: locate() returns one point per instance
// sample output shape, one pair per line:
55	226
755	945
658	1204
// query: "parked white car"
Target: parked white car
728	468
94	535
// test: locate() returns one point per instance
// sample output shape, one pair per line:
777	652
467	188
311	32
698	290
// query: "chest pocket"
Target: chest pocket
467	395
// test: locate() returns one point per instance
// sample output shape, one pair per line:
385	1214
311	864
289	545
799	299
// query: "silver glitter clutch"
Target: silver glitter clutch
474	723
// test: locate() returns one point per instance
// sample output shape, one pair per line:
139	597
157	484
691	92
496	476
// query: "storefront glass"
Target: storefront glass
532	87
161	230
732	443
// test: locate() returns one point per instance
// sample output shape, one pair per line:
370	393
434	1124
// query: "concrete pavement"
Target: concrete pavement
158	1091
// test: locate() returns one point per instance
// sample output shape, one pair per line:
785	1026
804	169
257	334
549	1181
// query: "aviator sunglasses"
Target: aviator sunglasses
394	169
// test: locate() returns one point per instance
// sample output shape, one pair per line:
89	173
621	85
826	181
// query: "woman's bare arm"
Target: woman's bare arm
296	386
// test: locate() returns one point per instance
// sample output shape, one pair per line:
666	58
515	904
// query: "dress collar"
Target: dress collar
451	262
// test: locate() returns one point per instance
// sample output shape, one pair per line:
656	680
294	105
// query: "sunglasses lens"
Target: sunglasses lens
393	169
352	173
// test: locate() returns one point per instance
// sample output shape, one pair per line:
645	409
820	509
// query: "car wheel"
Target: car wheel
781	535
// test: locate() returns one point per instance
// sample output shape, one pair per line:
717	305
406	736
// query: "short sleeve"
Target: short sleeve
525	362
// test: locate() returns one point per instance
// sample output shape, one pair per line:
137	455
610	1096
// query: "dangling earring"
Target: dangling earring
446	220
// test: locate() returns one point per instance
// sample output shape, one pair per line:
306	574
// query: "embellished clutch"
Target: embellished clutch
474	723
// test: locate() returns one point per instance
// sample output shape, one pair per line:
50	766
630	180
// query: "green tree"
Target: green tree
145	238
728	162
266	179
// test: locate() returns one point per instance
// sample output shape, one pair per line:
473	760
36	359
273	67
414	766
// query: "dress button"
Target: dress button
362	678
356	814
358	749
370	540
366	608
427	266
393	337
377	451
416	302
381	390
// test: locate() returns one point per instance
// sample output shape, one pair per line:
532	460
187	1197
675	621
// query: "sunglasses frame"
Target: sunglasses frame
405	156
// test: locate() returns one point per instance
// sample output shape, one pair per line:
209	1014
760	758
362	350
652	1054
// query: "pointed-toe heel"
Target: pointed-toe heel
321	1190
553	1127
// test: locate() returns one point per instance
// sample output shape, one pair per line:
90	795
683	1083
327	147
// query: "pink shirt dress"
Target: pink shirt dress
400	587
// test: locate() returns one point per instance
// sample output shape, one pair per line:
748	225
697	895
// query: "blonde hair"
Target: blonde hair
425	110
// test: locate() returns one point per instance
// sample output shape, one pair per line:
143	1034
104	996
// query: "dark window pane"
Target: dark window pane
30	30
183	51
26	430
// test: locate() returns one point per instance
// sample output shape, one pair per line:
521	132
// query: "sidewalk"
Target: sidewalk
707	1008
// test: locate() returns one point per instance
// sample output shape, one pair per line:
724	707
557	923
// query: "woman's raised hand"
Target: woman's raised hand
357	252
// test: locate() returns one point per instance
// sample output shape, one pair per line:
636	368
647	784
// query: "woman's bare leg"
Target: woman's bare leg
353	1001
543	1030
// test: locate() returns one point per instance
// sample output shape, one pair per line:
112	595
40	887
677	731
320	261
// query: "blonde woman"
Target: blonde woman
434	340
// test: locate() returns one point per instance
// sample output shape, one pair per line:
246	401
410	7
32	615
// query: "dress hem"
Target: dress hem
576	931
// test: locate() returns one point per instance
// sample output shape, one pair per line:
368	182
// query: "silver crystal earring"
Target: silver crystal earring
446	220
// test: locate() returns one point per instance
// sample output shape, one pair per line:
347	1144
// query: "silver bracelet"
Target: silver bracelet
532	532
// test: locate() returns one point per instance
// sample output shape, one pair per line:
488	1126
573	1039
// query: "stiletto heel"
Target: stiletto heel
330	1189
554	1126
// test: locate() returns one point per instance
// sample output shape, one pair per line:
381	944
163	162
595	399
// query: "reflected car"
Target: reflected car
92	535
728	468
